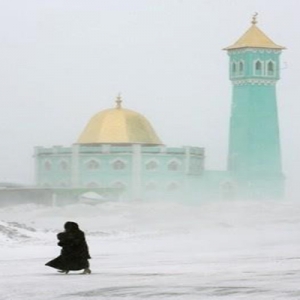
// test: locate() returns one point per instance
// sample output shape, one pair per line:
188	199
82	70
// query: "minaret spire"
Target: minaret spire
254	38
254	18
119	101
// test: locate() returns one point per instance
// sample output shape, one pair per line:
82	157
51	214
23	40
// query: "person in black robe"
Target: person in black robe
74	253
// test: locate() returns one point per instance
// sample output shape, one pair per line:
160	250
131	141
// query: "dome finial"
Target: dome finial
254	21
119	101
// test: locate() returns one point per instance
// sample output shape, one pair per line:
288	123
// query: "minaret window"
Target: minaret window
234	68
258	68
93	165
270	68
241	68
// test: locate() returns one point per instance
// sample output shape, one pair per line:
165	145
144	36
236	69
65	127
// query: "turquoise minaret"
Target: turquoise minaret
254	159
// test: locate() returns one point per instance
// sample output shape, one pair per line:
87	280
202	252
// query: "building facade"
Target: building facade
120	149
254	158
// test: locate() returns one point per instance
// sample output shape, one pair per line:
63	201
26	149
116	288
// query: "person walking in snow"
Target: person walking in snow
74	254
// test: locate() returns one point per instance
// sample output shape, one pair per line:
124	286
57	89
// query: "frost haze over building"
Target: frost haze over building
119	149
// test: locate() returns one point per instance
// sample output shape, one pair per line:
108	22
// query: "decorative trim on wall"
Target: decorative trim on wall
254	82
254	50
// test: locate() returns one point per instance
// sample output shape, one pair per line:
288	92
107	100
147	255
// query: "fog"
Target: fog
63	61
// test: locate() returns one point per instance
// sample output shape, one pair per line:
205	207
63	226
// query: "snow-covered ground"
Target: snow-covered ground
234	250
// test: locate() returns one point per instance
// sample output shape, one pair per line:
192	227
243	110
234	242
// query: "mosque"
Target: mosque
119	149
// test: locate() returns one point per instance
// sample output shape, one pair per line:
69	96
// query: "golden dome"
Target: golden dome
254	38
119	126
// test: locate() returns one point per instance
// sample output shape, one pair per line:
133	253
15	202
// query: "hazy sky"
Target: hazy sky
63	61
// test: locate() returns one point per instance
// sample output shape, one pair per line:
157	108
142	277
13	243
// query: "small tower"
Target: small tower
254	158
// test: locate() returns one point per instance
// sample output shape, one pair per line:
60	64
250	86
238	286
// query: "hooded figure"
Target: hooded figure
74	254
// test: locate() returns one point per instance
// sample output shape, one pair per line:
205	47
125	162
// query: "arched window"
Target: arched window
92	185
119	185
93	164
64	165
258	68
270	68
234	69
173	186
151	165
118	165
47	165
173	166
151	186
241	68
